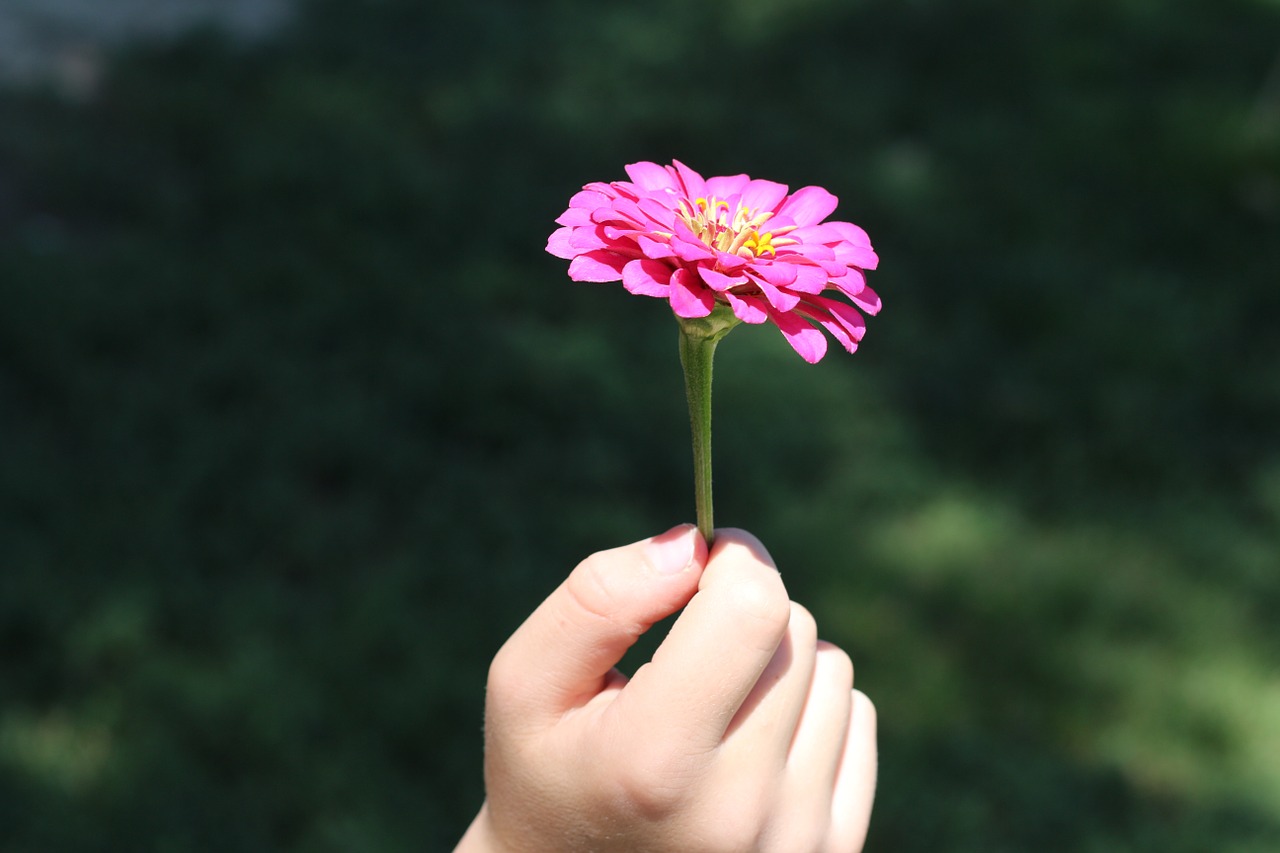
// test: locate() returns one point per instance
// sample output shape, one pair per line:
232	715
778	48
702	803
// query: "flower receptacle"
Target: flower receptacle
712	327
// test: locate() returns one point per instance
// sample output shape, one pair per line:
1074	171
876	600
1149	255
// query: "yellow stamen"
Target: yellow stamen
735	232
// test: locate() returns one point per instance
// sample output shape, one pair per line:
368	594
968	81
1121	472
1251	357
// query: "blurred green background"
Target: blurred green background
298	421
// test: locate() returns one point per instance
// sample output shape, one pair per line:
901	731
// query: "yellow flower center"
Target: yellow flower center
738	234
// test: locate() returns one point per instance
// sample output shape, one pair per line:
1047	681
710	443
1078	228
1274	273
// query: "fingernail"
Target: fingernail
672	552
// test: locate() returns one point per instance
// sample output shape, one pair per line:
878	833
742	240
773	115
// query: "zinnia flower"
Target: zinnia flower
747	244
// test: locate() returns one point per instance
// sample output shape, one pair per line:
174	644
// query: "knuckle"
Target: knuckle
656	783
803	626
590	588
738	819
836	665
762	600
799	821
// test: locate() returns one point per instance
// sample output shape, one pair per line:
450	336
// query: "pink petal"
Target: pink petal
816	251
780	274
732	203
858	256
867	300
780	300
748	309
760	196
691	250
823	256
720	281
589	199
647	278
689	296
623	210
809	279
574	216
804	339
587	239
821	234
850	283
682	231
833	328
809	205
558	243
650	176
614	234
654	248
600	265
694	184
658	211
624	190
726	186
778	221
730	263
846	316
851	233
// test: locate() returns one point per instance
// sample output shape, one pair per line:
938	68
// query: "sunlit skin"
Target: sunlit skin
743	732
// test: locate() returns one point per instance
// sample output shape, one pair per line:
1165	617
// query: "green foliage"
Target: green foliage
298	421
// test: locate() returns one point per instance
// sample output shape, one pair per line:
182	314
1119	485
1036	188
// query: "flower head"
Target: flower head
749	244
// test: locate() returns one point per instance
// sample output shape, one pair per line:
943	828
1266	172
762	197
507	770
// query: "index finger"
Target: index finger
707	665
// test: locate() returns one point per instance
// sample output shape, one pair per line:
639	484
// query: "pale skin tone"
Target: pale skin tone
743	733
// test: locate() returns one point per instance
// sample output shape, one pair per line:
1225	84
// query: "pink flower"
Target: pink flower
748	244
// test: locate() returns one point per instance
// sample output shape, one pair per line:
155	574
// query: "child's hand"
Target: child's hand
742	734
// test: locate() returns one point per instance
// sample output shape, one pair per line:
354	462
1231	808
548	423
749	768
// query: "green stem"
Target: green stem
696	355
698	339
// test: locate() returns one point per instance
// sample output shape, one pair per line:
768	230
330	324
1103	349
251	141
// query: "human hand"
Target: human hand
742	734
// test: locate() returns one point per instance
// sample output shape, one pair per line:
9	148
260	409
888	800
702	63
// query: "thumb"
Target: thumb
564	652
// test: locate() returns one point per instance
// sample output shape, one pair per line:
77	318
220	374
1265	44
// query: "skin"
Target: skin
744	732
